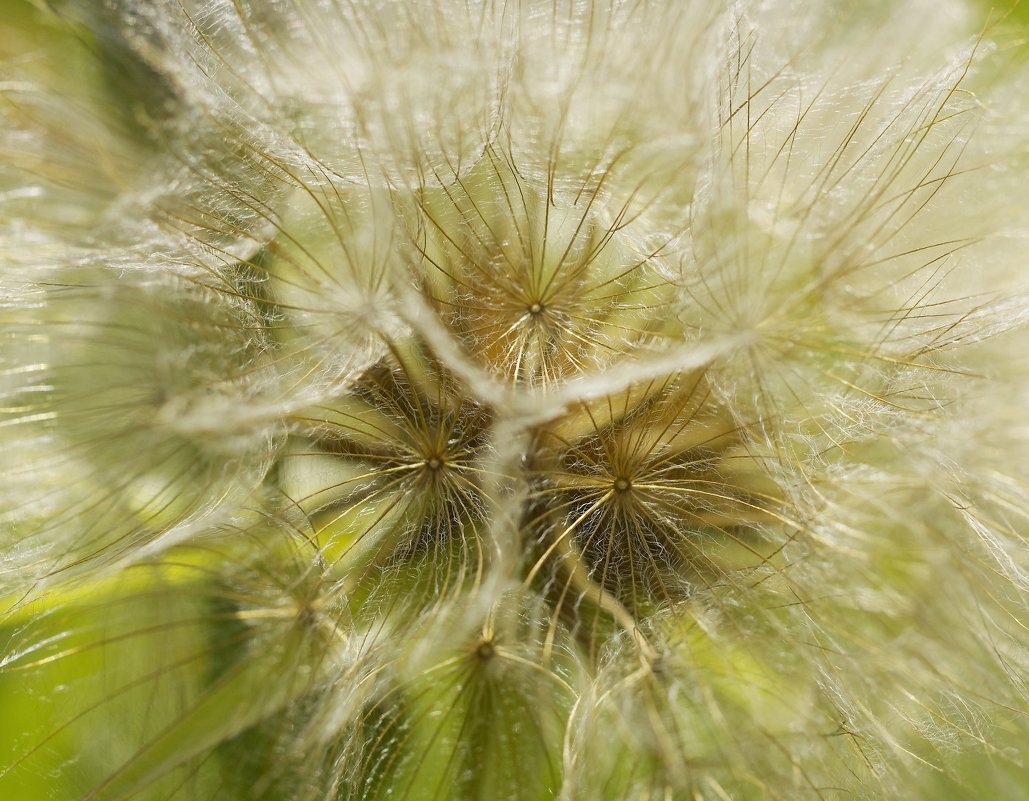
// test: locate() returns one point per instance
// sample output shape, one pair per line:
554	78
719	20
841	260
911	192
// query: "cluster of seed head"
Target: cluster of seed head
512	401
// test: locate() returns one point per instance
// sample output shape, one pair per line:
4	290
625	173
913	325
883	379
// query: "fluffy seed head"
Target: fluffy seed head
532	400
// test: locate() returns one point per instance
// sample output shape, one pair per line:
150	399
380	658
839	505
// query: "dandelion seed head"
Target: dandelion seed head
515	400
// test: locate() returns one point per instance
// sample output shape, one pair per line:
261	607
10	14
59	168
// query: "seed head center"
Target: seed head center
434	463
485	650
622	485
536	309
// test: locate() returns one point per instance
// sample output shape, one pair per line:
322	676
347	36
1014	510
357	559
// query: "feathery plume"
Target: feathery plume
513	400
